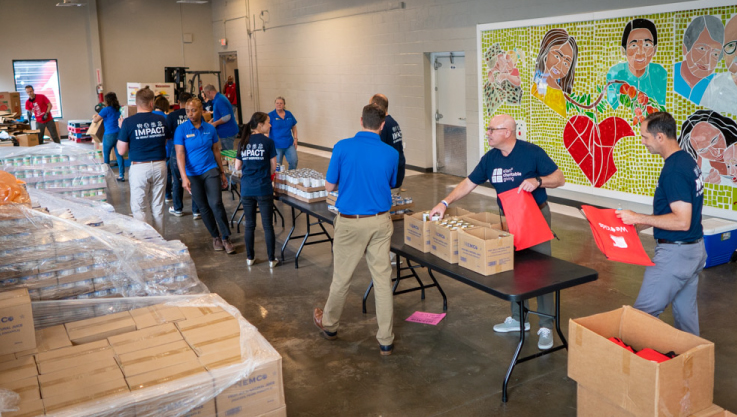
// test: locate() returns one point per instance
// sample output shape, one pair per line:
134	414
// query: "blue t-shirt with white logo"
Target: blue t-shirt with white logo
221	107
365	170
146	135
110	118
680	180
197	146
173	120
281	129
256	168
505	173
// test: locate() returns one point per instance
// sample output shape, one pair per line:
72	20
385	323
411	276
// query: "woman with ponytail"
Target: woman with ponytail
257	161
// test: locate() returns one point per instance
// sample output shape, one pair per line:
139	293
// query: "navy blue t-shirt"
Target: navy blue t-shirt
173	120
110	118
365	170
146	135
391	134
680	180
505	173
256	168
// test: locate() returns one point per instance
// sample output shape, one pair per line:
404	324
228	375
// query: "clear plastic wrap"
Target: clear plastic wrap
173	398
71	170
9	400
57	258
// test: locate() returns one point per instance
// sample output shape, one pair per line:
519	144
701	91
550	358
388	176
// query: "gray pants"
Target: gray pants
52	131
148	182
674	280
545	303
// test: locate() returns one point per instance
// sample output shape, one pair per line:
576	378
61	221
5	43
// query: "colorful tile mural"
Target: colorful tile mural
583	88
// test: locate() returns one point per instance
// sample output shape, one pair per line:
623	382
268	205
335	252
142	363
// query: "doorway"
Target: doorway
228	67
449	113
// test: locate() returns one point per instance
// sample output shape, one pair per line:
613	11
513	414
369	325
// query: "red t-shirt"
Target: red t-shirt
39	106
230	93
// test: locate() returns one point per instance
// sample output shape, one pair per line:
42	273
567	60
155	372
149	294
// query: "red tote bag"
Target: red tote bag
526	221
615	239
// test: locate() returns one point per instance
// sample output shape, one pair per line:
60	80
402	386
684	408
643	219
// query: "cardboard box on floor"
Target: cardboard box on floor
486	251
417	230
28	138
680	386
590	404
16	322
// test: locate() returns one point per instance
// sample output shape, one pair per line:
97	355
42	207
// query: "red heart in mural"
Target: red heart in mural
592	146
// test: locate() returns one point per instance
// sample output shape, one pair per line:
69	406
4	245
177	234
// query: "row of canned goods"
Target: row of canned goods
70	182
30	160
299	193
42	173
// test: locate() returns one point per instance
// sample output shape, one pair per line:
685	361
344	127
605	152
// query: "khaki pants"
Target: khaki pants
148	182
353	238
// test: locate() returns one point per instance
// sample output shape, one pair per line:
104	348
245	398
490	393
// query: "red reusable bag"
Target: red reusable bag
615	239
526	221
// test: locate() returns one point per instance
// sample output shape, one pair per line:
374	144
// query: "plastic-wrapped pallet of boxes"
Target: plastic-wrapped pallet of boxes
64	169
56	258
192	356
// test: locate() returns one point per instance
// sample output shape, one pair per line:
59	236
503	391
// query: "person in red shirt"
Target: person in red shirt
41	107
230	94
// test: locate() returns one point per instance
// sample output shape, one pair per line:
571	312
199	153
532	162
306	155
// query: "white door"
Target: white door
450	112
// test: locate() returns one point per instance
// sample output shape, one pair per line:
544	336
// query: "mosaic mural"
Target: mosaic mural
582	89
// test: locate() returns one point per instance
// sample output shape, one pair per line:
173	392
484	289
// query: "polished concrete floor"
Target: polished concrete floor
453	369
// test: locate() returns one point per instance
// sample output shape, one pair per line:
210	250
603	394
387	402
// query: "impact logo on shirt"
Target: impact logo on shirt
699	182
396	134
500	175
149	130
253	152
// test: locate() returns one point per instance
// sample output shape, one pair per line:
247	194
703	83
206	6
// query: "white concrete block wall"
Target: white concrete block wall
327	57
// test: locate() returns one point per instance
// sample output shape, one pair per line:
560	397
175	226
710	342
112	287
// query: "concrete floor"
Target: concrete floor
453	369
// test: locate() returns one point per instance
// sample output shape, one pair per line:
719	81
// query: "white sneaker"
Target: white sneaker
197	216
273	263
545	341
250	262
175	212
510	325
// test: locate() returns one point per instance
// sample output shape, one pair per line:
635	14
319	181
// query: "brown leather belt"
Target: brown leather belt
677	242
147	162
361	216
543	205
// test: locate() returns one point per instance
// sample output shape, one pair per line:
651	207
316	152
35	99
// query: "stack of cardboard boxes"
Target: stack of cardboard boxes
179	358
614	382
10	102
472	240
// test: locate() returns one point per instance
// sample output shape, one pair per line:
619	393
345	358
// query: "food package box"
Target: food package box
65	358
208	320
100	328
194	312
10	101
164	375
97	131
30	408
680	386
260	392
155	315
417	228
145	338
591	404
485	251
26	388
280	412
66	381
18	369
486	219
154	358
29	352
50	338
444	242
205	410
28	138
16	322
217	335
92	390
7	358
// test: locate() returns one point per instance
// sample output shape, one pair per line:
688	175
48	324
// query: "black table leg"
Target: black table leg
232	217
289	235
521	343
557	320
277	212
413	274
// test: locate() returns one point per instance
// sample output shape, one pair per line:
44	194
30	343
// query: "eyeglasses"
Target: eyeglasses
492	129
730	47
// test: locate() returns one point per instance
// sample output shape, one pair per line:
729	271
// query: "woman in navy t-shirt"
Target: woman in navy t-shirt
109	116
257	161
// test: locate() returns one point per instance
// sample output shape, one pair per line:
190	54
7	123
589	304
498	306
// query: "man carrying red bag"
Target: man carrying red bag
515	164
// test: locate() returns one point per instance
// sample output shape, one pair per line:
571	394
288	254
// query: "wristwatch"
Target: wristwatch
539	181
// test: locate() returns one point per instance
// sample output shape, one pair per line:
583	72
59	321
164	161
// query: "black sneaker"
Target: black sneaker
386	350
121	179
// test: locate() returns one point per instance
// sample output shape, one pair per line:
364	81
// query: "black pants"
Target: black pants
177	192
266	206
400	171
207	193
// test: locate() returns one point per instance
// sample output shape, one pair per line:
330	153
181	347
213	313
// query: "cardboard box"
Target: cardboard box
65	358
97	131
30	408
225	355
164	375
18	369
485	250
51	338
154	358
219	336
591	404
85	375
155	315
280	412
27	388
260	392
678	387
7	358
206	321
194	312
444	242
100	328
10	101
486	219
99	391
24	353
205	410
417	231
128	111
146	338
16	322
28	138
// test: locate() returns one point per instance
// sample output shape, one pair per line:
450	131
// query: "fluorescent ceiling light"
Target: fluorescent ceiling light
193	1
69	3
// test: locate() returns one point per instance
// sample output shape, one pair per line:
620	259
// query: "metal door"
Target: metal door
450	113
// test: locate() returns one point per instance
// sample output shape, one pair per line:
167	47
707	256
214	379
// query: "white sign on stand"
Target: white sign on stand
166	89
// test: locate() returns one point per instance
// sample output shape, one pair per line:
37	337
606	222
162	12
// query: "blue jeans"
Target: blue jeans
291	155
266	206
108	143
226	144
177	192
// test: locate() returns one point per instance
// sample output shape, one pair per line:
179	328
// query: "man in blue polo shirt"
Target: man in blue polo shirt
143	136
173	120
365	169
515	164
222	117
679	253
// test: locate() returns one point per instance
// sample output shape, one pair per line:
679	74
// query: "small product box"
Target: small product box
145	338
28	138
680	386
16	322
100	328
417	228
486	251
70	357
155	315
720	240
